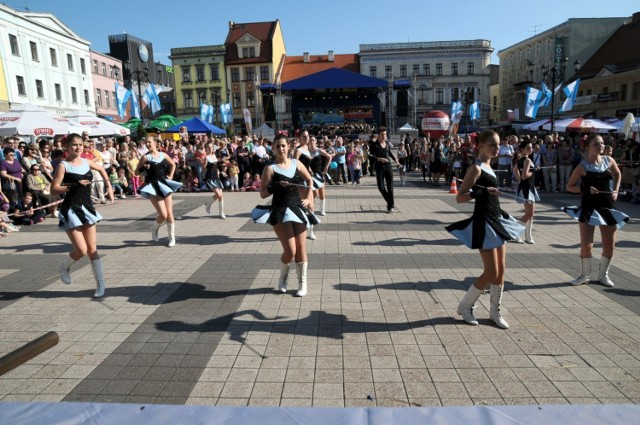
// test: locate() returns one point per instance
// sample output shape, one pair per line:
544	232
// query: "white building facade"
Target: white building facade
45	63
424	76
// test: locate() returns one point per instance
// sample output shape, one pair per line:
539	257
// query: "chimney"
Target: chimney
330	56
231	23
305	57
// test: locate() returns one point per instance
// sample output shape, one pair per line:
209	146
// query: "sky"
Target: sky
317	27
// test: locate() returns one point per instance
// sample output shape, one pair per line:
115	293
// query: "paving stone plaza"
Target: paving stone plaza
201	323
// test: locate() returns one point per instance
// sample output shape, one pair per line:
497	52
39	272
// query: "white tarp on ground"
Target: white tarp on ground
135	414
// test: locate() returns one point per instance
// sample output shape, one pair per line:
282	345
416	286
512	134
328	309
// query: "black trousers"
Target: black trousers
384	178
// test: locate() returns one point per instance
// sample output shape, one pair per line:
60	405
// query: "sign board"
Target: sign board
608	97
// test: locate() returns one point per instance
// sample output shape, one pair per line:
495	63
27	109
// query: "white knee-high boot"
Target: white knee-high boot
496	301
322	205
284	274
171	229
605	263
586	272
528	229
519	238
207	205
466	306
221	208
65	269
154	231
302	279
98	274
310	233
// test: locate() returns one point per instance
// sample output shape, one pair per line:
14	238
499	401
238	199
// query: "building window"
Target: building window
186	74
215	71
416	69
58	90
83	66
34	51
455	94
426	69
113	99
605	89
202	96
248	52
623	92
13	41
251	100
21	88
438	69
388	71
69	62
236	100
235	75
470	68
107	100
188	100
95	66
439	96
99	97
104	68
495	101
454	69
250	73
86	97
200	73
264	73
54	57
635	91
111	71
403	70
74	95
39	89
373	71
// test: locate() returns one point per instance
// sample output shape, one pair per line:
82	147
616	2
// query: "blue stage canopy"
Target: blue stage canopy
196	125
334	78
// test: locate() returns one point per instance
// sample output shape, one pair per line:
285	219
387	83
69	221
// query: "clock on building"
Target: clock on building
143	53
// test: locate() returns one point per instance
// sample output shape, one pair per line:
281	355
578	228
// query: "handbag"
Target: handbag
8	185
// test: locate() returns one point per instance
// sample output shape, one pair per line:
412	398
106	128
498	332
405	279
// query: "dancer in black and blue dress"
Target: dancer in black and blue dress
158	188
213	182
289	214
526	193
73	178
319	168
600	177
486	230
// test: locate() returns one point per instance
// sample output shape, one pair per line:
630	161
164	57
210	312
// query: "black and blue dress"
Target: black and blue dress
156	182
307	159
598	209
212	176
77	209
489	227
286	205
527	192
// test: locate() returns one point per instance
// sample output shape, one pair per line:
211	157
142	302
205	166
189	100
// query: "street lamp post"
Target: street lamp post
554	75
467	97
140	77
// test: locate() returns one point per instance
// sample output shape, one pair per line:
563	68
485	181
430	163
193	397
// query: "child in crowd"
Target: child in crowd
255	184
233	176
223	175
192	181
118	182
24	212
357	168
247	183
132	164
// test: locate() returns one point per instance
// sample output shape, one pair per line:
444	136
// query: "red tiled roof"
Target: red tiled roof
263	31
295	67
620	52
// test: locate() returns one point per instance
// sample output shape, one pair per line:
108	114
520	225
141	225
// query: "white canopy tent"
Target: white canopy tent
407	128
265	131
34	121
97	126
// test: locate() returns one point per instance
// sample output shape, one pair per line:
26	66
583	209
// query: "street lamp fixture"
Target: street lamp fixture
553	76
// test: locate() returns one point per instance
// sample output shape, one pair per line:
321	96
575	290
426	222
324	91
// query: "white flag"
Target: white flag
151	98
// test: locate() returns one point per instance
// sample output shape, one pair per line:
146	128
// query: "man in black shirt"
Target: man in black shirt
381	156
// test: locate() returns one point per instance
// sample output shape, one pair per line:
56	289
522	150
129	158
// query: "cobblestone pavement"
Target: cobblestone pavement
200	323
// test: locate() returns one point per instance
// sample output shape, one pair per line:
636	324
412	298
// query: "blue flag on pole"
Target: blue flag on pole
226	113
571	91
152	99
534	99
474	111
547	94
122	96
135	108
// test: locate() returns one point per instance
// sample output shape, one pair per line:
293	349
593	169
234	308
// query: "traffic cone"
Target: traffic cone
454	186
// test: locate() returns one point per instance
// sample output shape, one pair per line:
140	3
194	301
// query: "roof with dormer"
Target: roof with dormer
261	31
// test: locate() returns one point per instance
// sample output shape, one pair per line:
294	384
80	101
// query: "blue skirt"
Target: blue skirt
598	217
214	184
69	220
166	187
491	238
264	214
530	198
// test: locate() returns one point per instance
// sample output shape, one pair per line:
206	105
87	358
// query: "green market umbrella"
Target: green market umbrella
132	124
164	121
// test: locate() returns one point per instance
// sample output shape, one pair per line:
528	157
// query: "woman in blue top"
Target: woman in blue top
486	230
600	177
158	187
73	178
289	215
